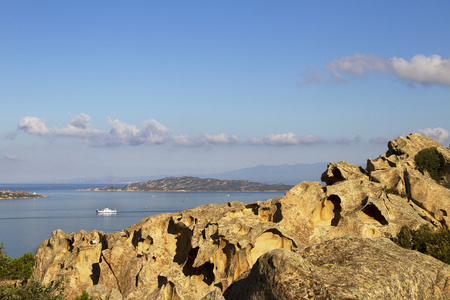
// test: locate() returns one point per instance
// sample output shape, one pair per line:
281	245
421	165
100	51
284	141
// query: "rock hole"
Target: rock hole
277	216
269	240
336	209
328	211
95	276
162	280
183	237
371	214
443	212
254	207
137	238
219	285
70	244
137	278
206	270
229	250
337	174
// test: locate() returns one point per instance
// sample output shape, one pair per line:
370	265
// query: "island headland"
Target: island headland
196	184
18	195
318	241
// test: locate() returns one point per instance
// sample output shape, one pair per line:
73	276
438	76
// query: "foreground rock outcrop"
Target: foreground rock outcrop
203	250
344	268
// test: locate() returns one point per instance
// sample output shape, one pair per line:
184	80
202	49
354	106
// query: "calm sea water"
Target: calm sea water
25	223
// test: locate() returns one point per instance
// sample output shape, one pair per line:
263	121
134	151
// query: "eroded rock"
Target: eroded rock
345	268
189	254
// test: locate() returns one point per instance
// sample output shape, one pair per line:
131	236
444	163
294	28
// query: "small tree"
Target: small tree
5	262
404	237
34	290
429	160
22	267
426	240
84	296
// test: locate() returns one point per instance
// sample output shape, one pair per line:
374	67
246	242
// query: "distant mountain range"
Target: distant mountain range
286	174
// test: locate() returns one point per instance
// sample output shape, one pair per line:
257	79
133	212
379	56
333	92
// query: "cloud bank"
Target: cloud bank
151	132
285	139
431	70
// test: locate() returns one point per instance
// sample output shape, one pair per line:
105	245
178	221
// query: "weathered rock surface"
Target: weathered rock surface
189	254
345	268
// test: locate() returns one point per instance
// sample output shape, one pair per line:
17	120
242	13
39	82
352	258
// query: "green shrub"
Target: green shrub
19	268
84	296
426	240
434	243
34	290
404	237
5	261
429	160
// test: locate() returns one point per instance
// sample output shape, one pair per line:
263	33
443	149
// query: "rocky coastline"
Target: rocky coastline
7	194
196	184
318	241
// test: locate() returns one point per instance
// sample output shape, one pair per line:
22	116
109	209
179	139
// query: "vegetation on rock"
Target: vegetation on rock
34	290
426	240
21	269
84	296
429	160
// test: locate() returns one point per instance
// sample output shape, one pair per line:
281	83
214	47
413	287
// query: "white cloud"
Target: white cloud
33	125
153	132
220	139
80	127
12	157
205	140
357	65
121	133
439	134
283	139
420	69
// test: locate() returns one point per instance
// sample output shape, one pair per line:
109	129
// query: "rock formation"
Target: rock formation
360	269
203	250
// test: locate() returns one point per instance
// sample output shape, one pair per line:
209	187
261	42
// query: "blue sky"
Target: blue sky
136	88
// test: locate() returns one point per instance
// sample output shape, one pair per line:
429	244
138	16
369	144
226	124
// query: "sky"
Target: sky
148	88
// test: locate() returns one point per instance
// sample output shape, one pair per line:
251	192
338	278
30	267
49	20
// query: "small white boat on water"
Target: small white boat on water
106	211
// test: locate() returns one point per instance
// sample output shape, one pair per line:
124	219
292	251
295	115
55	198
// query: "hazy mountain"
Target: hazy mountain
287	174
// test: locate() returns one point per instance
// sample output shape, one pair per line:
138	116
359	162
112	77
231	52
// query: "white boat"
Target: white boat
106	211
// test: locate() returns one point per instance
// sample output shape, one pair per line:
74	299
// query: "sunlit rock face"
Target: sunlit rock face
189	254
344	268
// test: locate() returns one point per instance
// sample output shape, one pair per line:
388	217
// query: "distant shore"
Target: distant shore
5	195
196	184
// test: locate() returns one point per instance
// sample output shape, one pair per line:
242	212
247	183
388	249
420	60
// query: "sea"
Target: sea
26	223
